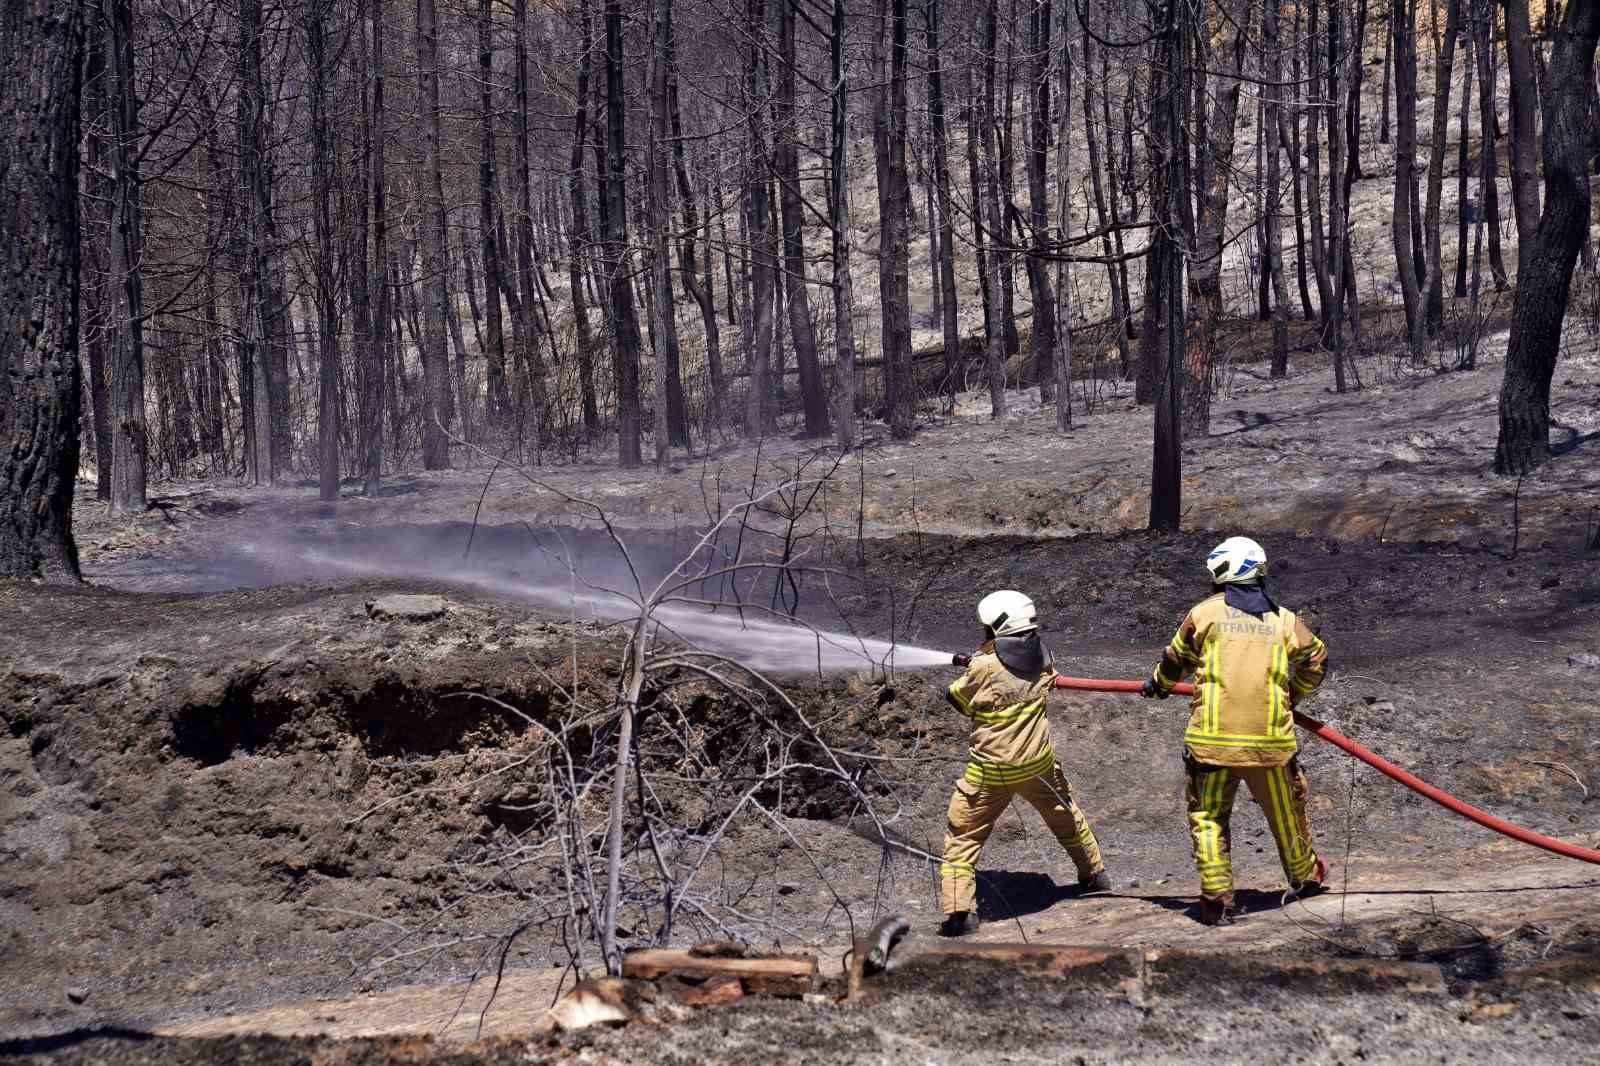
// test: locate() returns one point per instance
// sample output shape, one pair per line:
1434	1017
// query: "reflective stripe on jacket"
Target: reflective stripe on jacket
1010	739
1249	672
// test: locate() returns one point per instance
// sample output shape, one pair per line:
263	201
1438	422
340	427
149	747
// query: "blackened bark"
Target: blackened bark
1044	312
497	403
1433	299
325	264
657	219
1168	193
994	307
624	315
578	235
1404	45
759	417
1274	214
1545	280
1488	189
839	204
1523	98
813	395
374	387
529	275
434	356
894	198
40	380
1319	247
946	268
1206	275
96	123
123	308
259	363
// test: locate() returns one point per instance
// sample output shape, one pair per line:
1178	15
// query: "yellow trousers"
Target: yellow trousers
1280	791
974	809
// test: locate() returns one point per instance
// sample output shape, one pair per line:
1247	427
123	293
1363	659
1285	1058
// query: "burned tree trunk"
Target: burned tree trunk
894	266
435	359
624	315
1044	312
40	381
813	396
1273	263
497	403
946	267
1540	303
1206	280
1524	99
325	263
124	308
1404	46
1433	299
994	308
758	223
376	381
1489	192
843	297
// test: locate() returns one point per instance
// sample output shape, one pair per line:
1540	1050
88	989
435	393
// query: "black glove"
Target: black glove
1151	691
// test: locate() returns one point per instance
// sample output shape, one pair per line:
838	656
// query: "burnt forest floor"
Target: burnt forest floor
234	801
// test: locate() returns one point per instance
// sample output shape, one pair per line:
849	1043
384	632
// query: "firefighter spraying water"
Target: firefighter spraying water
1004	692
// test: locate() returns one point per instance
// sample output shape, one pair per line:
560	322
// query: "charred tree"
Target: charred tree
376	382
1044	316
578	235
813	395
434	356
1211	230
624	315
1273	146
1545	280
759	417
497	403
1523	95
894	262
40	380
1444	65
123	309
994	307
839	204
1169	115
1402	23
325	265
1488	188
949	305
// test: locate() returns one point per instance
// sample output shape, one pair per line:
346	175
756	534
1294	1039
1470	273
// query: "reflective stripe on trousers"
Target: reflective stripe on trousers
1280	791
976	807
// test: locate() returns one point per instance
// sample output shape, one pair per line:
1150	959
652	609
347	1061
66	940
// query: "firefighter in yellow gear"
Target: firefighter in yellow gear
1004	692
1252	661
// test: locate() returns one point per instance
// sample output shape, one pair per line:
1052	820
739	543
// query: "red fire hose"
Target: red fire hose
1411	781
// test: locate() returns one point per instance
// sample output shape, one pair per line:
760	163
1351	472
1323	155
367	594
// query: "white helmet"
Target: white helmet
1237	561
1007	613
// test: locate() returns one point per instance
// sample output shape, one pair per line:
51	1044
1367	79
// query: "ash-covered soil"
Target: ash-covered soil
217	803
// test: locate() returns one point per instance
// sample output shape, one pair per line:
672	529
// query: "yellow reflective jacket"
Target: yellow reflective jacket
1010	739
1249	672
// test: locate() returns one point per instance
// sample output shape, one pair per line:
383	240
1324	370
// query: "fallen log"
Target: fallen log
772	975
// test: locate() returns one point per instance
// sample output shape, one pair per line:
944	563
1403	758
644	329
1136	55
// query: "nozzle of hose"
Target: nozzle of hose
960	660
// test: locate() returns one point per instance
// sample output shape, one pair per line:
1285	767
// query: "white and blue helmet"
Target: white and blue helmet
1237	561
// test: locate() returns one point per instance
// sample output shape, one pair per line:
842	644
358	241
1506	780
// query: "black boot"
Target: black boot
959	923
1100	882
